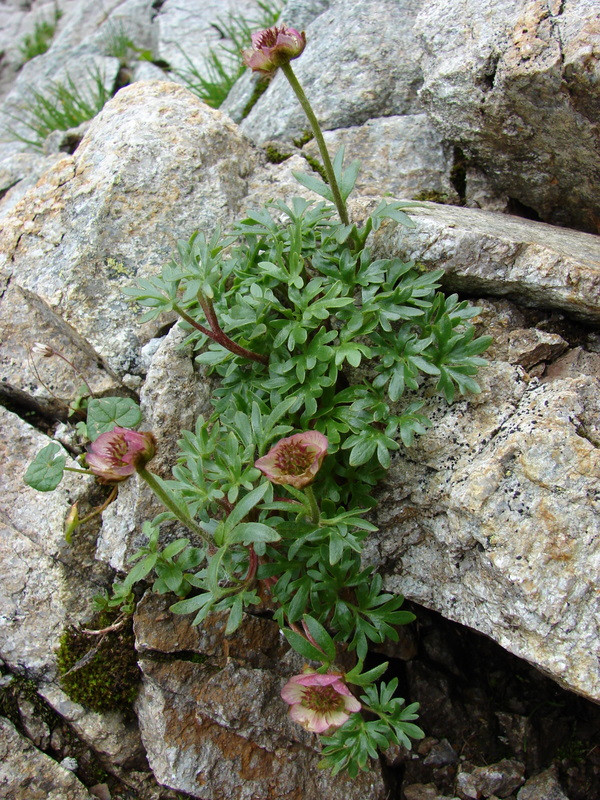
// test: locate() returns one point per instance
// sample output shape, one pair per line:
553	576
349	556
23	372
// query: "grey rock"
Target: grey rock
115	208
491	518
189	30
18	173
44	584
402	156
34	726
544	786
115	740
300	13
423	791
492	780
494	254
47	385
28	774
441	754
511	83
354	68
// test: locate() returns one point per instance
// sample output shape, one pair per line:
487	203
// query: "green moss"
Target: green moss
275	156
316	166
304	138
260	87
431	196
106	679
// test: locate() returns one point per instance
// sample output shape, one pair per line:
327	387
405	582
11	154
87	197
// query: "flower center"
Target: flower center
322	699
294	459
118	451
269	37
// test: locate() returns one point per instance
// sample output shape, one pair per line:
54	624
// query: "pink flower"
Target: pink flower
115	455
294	461
319	702
272	48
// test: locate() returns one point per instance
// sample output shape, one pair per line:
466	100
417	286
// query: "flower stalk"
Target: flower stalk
166	500
316	129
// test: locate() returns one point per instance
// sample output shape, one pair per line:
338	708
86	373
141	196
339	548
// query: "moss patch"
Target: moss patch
304	138
432	196
316	166
275	156
99	672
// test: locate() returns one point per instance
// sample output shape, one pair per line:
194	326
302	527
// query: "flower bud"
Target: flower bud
273	47
43	350
117	454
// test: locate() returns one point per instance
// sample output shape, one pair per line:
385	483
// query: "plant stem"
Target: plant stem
316	128
218	335
315	514
165	499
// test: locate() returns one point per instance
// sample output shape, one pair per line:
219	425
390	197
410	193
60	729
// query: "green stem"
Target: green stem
166	500
84	471
315	514
314	124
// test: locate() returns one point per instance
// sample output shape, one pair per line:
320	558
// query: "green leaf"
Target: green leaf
302	646
235	616
105	413
248	533
243	508
321	637
46	470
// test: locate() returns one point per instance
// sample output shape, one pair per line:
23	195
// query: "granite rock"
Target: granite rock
114	210
517	86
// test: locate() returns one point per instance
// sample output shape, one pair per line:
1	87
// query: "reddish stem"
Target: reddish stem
218	335
252	565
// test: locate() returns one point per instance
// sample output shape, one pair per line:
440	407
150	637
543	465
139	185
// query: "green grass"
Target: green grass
224	64
119	44
58	108
38	42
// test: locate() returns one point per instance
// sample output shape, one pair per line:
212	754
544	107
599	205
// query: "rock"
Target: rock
114	209
422	791
353	69
186	28
441	754
574	363
491	518
494	254
28	774
48	385
403	156
529	346
494	779
544	786
511	83
18	173
115	740
219	729
44	584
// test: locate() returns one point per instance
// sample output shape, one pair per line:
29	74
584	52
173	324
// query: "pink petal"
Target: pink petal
310	720
292	692
351	704
316	679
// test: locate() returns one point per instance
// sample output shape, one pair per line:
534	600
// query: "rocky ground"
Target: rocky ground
489	524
